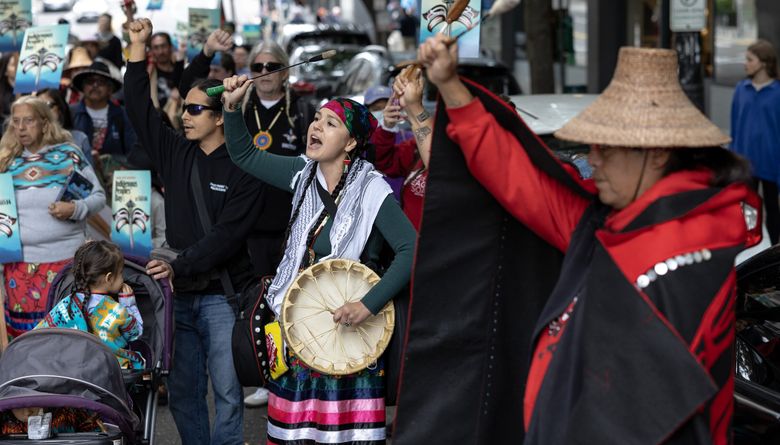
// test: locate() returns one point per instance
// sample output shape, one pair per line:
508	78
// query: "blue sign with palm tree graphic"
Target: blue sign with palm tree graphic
41	59
131	228
10	242
15	18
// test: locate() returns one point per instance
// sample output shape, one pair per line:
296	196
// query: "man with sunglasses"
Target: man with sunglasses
204	316
278	120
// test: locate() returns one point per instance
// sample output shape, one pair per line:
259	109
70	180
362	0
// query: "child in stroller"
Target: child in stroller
97	273
63	420
154	303
89	403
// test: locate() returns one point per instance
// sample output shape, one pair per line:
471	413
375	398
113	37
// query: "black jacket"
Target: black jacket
120	137
287	141
232	197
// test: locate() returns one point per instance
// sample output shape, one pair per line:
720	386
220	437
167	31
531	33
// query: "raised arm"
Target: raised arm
497	159
218	40
275	170
410	93
160	142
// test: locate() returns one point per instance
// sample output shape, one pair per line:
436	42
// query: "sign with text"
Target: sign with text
10	243
131	228
688	15
202	23
41	59
433	20
15	17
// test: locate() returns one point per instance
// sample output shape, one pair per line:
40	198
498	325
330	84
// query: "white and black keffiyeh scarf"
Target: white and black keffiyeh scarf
359	202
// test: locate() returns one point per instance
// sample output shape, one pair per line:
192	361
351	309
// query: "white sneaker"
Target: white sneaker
258	398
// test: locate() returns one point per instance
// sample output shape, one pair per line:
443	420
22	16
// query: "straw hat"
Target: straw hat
643	106
79	58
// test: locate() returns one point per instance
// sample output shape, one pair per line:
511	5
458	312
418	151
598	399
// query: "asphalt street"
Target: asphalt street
254	424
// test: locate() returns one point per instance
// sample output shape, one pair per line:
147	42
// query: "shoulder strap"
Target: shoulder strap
327	199
205	221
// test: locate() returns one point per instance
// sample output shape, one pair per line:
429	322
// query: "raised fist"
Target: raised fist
140	30
218	40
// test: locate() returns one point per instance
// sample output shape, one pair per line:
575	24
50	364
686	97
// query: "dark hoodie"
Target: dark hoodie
231	196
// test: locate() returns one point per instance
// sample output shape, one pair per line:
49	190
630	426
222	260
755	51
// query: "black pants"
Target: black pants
769	192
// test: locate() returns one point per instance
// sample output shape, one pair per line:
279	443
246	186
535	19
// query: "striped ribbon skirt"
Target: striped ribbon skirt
306	407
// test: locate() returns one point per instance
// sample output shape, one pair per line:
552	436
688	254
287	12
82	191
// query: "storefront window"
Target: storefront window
735	29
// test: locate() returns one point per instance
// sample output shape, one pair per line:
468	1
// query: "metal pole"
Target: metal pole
664	29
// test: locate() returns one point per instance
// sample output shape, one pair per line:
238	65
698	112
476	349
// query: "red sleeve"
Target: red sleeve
391	159
498	161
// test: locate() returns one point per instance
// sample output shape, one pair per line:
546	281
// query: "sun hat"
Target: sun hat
79	58
644	106
375	93
97	68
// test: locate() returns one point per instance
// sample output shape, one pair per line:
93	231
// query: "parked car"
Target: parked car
546	113
295	35
368	68
757	383
88	11
57	5
321	77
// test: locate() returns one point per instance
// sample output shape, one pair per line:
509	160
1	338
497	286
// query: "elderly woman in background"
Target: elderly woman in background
40	156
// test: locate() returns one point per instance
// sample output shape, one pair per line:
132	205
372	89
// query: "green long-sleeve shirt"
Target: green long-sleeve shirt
278	171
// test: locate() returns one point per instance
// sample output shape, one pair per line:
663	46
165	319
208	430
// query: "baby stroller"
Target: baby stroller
156	344
34	373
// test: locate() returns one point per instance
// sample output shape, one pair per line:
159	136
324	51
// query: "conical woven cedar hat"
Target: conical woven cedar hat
643	106
79	58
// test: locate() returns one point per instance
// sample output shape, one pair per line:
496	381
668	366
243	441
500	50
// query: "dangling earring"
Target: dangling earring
347	161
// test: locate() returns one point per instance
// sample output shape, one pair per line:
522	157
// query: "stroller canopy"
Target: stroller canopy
65	368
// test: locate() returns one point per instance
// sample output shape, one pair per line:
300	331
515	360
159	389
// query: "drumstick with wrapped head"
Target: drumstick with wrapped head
215	91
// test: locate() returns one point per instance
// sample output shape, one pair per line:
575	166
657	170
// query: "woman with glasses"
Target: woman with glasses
53	98
40	156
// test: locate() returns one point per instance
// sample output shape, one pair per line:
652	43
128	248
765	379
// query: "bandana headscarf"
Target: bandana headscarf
359	121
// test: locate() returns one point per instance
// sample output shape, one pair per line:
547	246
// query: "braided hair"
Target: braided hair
92	261
309	180
324	214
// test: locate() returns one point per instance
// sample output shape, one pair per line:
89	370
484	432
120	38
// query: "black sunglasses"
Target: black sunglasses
270	66
196	109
